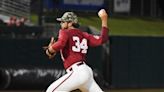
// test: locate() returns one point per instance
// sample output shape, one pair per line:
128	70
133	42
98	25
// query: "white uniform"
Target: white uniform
72	81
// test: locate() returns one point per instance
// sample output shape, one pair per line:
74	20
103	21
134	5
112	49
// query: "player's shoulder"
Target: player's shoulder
74	31
63	31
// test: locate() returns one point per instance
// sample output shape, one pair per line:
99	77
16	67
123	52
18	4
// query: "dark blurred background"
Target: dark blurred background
126	61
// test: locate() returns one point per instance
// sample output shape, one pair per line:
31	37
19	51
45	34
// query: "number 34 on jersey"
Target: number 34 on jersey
80	46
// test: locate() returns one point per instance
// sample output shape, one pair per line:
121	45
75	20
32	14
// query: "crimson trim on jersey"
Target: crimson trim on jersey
62	82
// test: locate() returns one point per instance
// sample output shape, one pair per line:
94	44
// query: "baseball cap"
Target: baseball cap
68	17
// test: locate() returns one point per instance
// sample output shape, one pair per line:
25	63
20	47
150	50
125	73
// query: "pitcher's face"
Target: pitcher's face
64	25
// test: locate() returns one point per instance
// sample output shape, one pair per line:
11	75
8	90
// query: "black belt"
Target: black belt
78	64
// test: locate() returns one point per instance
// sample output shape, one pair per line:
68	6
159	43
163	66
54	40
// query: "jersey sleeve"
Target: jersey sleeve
95	40
62	39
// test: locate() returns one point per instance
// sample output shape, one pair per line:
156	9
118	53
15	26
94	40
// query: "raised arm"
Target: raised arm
104	17
95	40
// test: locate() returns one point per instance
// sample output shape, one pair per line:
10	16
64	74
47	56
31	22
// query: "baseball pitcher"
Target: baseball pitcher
73	45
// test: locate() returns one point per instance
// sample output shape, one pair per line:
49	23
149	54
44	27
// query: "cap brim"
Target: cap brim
59	19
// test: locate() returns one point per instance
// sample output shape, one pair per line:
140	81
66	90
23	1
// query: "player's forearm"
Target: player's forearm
58	45
104	17
51	50
104	34
104	22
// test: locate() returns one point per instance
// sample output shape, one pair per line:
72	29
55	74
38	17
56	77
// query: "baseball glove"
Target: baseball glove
48	52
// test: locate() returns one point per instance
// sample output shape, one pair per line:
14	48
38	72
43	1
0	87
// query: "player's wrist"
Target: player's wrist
49	52
104	24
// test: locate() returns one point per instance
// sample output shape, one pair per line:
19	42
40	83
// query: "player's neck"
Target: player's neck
71	27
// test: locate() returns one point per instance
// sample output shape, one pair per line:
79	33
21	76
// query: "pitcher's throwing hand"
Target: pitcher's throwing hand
73	45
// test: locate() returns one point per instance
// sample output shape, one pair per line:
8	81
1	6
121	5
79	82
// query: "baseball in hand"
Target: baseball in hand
102	13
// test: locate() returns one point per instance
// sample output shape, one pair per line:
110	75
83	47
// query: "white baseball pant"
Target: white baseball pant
77	77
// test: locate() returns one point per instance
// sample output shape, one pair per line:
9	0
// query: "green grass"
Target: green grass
125	26
129	26
34	18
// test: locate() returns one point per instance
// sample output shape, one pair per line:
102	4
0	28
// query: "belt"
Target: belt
78	64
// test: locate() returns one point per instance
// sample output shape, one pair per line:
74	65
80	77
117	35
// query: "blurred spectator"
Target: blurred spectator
18	23
23	20
12	21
